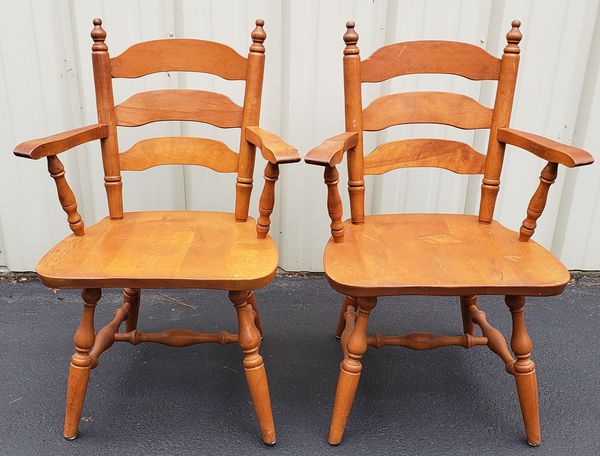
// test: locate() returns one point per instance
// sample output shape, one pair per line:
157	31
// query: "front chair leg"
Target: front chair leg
249	340
524	371
81	363
350	370
348	301
132	296
252	302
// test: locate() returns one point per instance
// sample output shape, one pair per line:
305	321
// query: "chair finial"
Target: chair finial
350	38
514	38
98	35
258	37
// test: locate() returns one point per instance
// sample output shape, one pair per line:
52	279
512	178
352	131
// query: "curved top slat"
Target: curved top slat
179	104
418	57
454	156
179	55
426	107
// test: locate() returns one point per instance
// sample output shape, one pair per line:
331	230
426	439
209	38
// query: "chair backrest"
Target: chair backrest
418	57
176	104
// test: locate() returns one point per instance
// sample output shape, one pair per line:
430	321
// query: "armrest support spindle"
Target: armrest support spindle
334	203
538	201
267	200
65	195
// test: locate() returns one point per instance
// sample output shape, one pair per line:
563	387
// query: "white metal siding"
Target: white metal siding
46	86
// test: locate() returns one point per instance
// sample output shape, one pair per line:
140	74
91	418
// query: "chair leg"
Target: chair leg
465	302
524	371
348	301
350	370
252	302
81	362
132	295
249	340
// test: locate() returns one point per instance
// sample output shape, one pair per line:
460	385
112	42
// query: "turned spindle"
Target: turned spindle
538	201
65	195
267	200
334	203
495	340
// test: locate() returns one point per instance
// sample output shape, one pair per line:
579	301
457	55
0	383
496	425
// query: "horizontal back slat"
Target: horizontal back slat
426	107
177	104
179	150
418	57
179	55
436	153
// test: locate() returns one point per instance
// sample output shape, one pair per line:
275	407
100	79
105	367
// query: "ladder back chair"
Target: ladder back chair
436	254
171	249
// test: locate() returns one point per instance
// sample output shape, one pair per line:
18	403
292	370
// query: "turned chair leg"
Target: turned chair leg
524	371
132	296
252	302
350	370
348	301
465	303
249	340
81	363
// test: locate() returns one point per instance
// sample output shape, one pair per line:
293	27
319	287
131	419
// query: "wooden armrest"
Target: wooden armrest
331	151
272	147
55	144
552	151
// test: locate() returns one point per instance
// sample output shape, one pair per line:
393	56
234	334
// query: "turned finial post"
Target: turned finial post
258	37
350	38
98	35
513	38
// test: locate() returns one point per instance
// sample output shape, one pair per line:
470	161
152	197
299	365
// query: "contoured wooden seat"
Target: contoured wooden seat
436	254
168	249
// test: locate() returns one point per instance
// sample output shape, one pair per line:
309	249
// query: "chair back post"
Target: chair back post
106	114
251	117
353	100
500	118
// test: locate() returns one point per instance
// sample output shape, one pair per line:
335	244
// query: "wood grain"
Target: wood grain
163	250
545	148
538	201
179	55
331	151
273	148
179	150
55	144
418	57
179	104
439	153
426	107
439	254
65	195
267	200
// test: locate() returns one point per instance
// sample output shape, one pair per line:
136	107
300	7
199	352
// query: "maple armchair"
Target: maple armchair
458	255
168	249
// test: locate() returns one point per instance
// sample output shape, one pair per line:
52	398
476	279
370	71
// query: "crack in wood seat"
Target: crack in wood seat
439	254
163	250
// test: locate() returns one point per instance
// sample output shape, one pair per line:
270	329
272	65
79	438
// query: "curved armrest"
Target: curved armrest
331	151
272	147
545	148
55	144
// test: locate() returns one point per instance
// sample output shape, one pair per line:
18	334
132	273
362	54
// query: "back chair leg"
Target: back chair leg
132	296
81	363
524	370
249	340
252	302
348	301
350	370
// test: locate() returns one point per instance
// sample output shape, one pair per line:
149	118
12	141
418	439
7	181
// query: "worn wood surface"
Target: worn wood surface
273	148
331	151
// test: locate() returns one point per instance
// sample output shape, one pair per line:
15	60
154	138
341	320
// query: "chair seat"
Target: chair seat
439	254
171	249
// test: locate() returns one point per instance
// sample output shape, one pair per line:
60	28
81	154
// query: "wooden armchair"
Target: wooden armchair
436	254
183	249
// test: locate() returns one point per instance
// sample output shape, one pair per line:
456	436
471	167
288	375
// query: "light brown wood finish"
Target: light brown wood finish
418	57
272	147
179	150
439	153
171	249
538	201
179	104
131	297
348	301
545	148
334	203
426	107
267	200
65	195
179	55
55	144
331	151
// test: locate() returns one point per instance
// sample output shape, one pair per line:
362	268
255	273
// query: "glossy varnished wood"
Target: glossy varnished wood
418	57
439	254
331	151
179	150
426	107
179	55
163	250
179	104
439	153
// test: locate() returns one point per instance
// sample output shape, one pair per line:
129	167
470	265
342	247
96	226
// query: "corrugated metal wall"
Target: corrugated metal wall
46	86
